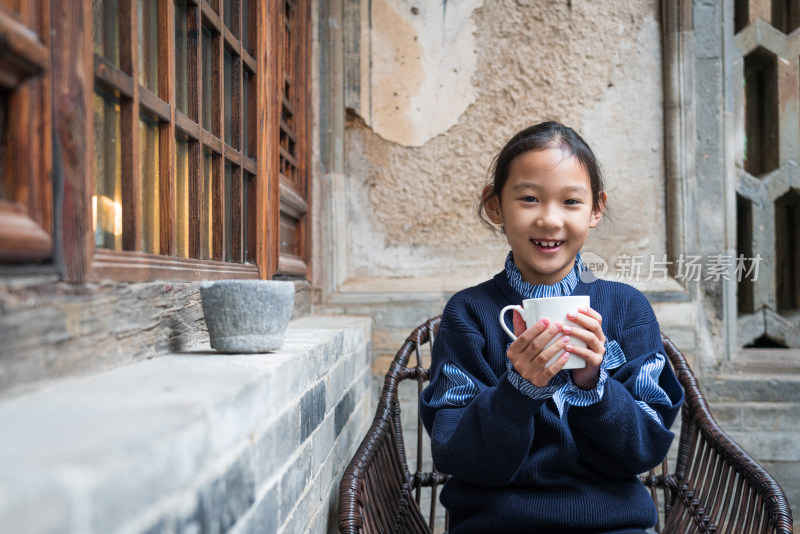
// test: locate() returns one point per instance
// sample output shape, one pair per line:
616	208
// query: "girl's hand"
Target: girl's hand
591	332
527	352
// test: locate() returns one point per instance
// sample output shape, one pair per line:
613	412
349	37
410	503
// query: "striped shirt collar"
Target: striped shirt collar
534	291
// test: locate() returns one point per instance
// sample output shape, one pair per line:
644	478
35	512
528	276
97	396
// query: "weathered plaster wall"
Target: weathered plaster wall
593	65
431	47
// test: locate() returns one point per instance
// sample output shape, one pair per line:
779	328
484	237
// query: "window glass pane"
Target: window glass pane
289	50
226	13
5	189
207	79
229	213
107	200
182	195
181	57
207	228
249	217
229	98
148	44
105	29
287	234
288	128
149	176
248	115
247	17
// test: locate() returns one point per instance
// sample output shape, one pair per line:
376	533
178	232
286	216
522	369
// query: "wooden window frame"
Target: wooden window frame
73	50
26	215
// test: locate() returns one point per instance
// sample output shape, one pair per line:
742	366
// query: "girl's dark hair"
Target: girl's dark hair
542	136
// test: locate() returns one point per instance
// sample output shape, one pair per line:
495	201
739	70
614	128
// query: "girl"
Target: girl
535	449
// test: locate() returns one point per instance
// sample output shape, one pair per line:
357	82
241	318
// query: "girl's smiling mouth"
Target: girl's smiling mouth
547	245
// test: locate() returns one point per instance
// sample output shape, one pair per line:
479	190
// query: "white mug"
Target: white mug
554	309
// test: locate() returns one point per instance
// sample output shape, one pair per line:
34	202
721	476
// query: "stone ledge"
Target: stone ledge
91	454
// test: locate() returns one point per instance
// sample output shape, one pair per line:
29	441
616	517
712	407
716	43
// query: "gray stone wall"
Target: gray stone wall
192	442
753	390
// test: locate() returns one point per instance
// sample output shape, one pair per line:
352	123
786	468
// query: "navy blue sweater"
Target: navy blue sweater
519	466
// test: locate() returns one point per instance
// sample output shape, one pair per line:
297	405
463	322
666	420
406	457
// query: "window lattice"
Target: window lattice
768	184
172	172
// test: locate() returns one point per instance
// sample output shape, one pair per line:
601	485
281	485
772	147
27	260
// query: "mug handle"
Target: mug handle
520	309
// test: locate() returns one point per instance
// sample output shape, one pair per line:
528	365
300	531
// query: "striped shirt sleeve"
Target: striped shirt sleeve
454	388
534	392
646	390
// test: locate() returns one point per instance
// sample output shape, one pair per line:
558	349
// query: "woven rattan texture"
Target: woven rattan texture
715	487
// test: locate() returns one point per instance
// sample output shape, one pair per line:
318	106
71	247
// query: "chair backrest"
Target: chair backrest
378	493
715	487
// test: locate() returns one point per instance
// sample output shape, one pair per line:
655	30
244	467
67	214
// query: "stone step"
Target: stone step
751	388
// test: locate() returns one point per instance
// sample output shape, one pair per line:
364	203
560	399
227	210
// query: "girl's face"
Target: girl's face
546	210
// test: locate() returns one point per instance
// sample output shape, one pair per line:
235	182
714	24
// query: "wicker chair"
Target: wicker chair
715	487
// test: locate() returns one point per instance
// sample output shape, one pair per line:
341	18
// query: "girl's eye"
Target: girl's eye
572	202
529	199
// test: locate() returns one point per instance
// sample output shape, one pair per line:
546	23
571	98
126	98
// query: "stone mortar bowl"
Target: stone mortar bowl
247	316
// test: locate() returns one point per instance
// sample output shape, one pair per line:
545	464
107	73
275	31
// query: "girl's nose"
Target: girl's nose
549	218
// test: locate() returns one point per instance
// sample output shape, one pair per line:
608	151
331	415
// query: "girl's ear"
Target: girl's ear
491	204
597	213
